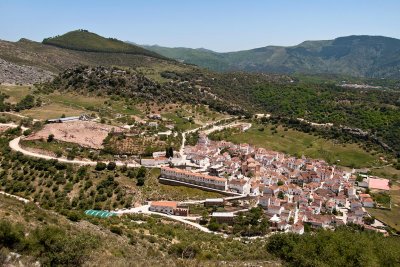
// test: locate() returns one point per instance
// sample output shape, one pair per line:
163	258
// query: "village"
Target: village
293	193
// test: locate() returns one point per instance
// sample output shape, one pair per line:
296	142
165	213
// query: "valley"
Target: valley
117	154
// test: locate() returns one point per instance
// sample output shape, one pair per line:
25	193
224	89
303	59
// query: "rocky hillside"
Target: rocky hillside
362	56
72	50
11	73
131	83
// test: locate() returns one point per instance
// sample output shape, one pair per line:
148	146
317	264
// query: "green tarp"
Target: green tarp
100	213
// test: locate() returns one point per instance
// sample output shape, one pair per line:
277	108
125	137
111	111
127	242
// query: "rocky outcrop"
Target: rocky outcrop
11	73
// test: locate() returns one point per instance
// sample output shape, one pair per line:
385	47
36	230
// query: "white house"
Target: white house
241	186
166	207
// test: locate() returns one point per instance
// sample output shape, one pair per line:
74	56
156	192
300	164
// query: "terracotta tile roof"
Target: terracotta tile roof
194	174
170	204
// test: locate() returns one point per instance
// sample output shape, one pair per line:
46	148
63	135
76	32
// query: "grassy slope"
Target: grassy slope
153	242
391	217
154	190
111	248
16	93
299	143
51	111
387	171
57	59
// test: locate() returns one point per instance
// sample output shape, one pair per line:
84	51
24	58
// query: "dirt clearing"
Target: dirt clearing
85	133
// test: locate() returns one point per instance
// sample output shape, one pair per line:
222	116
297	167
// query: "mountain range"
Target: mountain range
360	56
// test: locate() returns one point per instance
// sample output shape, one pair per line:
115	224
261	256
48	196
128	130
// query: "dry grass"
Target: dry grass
15	92
52	111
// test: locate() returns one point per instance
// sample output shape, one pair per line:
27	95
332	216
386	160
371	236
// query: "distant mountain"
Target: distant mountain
83	40
362	56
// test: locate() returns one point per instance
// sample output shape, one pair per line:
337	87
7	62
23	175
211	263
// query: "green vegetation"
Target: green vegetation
16	93
350	55
153	190
387	171
65	149
343	247
53	246
82	40
298	143
392	216
251	223
62	187
381	198
147	241
181	123
126	83
51	111
21	98
374	110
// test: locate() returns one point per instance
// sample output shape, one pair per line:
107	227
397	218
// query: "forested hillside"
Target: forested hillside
131	83
376	111
363	56
83	40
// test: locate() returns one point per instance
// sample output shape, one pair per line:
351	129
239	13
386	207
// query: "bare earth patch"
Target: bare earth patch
85	133
3	128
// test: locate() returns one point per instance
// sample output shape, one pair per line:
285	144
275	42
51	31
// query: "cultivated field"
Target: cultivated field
85	133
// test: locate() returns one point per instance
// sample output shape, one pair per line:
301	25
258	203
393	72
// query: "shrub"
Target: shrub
100	166
10	236
116	230
50	138
27	132
111	166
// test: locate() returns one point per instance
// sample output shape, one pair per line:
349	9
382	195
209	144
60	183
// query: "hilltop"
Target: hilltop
83	40
78	48
361	56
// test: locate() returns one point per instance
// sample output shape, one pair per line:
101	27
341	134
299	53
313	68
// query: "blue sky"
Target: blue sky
220	25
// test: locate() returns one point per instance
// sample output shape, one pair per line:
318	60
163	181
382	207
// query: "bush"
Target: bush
55	247
346	246
140	181
100	166
58	153
111	166
50	138
116	230
27	132
74	216
10	236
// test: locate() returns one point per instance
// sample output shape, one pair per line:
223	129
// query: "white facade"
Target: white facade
194	178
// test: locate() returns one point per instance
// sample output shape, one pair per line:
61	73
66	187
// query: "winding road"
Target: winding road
15	145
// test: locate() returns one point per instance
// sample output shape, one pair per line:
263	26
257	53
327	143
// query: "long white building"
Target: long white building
194	178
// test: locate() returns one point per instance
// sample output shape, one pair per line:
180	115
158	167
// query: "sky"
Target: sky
219	25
